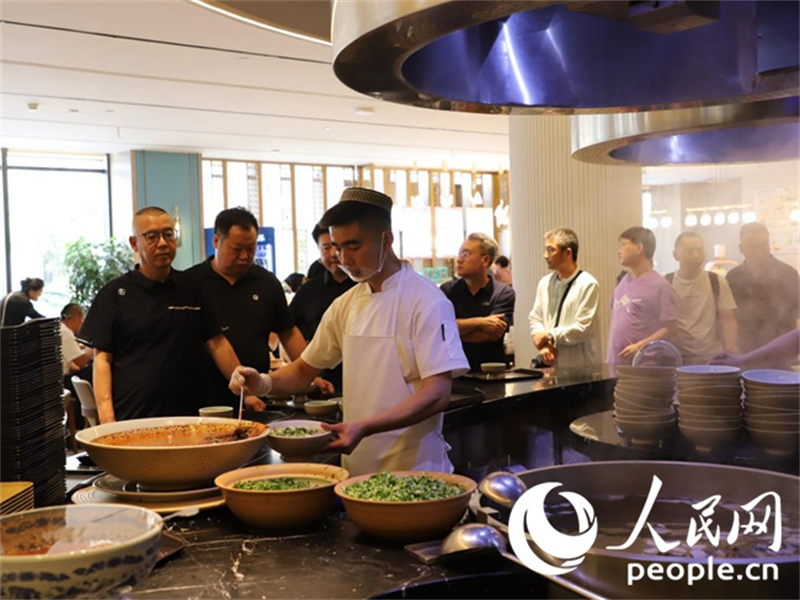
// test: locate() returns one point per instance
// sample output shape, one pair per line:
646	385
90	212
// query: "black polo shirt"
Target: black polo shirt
310	303
495	298
249	311
155	332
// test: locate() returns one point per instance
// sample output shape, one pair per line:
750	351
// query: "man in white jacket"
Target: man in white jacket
563	323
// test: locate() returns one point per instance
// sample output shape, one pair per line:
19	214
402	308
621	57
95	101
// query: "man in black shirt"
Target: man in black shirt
765	289
484	306
148	328
318	293
249	300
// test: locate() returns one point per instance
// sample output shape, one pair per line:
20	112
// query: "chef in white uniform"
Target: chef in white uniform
397	337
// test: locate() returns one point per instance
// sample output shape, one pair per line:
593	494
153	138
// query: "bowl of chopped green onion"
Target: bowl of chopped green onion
281	496
297	439
406	505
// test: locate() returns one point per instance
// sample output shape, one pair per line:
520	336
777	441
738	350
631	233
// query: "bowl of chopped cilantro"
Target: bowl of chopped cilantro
406	505
297	439
281	496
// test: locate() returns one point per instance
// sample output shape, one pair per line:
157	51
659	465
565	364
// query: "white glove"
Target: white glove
253	382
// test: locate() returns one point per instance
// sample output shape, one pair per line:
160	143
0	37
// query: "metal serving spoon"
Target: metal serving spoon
502	489
478	538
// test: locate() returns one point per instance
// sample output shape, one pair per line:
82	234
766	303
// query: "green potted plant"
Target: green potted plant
90	265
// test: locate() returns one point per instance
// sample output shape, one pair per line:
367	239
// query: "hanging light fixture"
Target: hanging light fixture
733	217
666	221
749	217
691	220
719	218
795	215
705	220
651	222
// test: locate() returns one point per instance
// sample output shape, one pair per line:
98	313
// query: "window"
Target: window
52	201
213	192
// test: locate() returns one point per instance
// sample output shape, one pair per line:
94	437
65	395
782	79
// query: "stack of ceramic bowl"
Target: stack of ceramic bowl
32	409
772	409
643	403
709	405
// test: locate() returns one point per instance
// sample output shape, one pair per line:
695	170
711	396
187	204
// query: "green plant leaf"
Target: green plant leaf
91	265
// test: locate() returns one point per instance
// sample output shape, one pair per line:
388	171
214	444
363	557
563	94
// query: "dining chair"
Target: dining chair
86	398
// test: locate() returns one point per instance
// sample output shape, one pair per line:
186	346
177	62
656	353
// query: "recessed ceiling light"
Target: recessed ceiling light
33	106
326	129
73	110
365	111
109	110
276	151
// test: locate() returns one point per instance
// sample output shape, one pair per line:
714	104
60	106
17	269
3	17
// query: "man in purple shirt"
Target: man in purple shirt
644	307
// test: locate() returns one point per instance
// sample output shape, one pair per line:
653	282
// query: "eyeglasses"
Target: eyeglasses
151	237
466	254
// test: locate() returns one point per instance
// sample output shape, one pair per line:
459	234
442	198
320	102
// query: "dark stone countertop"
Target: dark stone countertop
333	559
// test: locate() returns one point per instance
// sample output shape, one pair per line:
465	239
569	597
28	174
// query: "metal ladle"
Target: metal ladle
502	489
478	538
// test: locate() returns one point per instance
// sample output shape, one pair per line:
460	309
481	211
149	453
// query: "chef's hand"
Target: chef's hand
253	382
630	350
254	403
728	358
324	386
350	434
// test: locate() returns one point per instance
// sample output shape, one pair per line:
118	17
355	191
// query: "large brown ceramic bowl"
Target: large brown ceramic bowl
408	521
77	551
283	509
149	460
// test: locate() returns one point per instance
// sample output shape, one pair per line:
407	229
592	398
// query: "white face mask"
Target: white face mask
365	274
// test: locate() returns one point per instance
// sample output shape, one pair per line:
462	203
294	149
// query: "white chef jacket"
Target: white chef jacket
577	336
427	342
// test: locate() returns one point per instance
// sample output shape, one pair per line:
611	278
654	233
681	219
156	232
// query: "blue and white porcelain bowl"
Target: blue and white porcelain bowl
87	550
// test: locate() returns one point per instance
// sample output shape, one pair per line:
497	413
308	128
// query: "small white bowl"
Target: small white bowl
627	371
708	370
321	408
699	411
774	377
493	367
707	438
298	447
775	442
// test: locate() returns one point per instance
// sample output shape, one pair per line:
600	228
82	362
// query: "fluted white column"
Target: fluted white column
548	188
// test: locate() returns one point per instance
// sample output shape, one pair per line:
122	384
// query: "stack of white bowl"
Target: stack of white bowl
772	409
709	405
643	400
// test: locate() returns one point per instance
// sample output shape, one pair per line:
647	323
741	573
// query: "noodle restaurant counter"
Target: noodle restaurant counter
333	559
516	425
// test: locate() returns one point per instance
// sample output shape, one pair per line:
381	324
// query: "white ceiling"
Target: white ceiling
169	75
118	75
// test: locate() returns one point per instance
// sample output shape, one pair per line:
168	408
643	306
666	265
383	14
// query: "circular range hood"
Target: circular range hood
578	57
763	131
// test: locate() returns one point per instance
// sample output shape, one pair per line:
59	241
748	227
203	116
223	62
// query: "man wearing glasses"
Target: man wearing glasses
484	306
148	328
